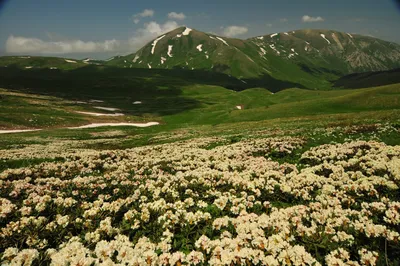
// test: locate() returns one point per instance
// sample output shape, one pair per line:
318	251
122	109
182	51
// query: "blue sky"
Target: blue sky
102	28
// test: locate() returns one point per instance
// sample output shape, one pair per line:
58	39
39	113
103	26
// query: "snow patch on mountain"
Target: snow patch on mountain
99	114
107	108
350	35
70	61
17	131
155	43
272	46
149	66
199	47
169	50
222	40
93	125
163	59
323	36
273	35
186	31
135	59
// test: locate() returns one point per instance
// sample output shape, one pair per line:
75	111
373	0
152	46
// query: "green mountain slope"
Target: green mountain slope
311	58
333	51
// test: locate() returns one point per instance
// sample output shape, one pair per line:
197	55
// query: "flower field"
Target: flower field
203	201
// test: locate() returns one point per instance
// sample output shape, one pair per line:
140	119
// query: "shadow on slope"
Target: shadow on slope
368	79
160	90
274	85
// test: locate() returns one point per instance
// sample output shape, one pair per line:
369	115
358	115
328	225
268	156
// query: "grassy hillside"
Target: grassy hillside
177	98
219	105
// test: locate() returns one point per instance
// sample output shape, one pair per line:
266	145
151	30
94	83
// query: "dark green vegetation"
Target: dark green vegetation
369	79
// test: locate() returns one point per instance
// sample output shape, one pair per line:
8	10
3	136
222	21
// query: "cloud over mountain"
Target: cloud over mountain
233	31
17	44
174	15
307	18
143	14
149	31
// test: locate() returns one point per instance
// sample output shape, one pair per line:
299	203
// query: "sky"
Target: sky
103	28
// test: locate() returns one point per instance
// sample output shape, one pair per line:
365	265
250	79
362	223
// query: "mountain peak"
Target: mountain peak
307	53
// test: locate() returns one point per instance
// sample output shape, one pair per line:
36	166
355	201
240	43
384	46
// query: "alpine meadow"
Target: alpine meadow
265	133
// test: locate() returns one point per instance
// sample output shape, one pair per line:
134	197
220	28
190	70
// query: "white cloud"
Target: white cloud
307	18
149	31
284	20
145	13
174	15
232	31
15	44
269	25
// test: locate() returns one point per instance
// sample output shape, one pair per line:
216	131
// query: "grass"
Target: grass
219	105
186	104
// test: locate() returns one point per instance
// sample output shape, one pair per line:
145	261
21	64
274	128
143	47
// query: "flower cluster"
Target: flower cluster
196	203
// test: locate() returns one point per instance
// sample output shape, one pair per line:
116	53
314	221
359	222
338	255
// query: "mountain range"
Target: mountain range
311	59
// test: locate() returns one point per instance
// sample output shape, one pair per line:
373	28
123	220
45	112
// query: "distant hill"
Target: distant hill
53	63
369	79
